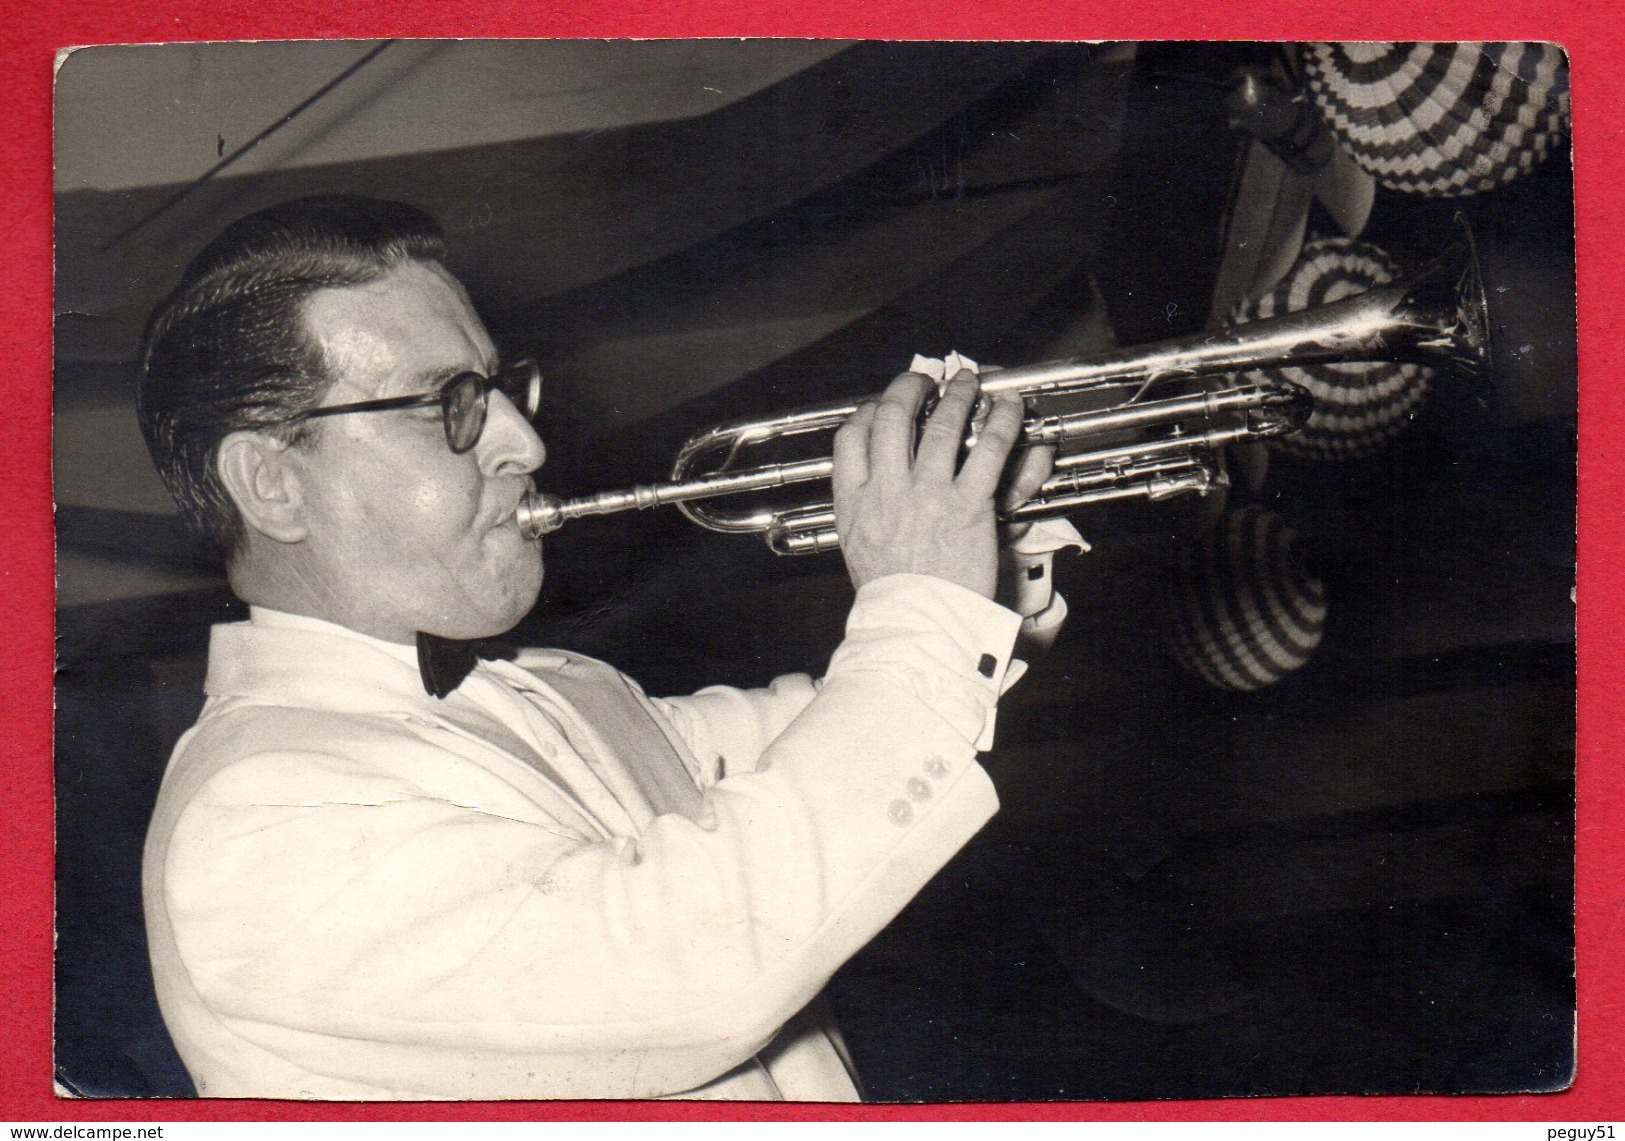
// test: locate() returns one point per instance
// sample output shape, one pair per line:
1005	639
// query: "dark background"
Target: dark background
1357	880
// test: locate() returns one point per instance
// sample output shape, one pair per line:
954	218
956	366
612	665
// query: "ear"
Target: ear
263	481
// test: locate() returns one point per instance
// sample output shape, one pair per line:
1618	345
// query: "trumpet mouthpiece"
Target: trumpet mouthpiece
538	514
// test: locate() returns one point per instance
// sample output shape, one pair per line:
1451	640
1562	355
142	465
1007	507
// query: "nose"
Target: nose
508	445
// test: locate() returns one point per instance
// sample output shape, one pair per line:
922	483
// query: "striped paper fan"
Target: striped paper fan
1243	612
1359	405
1442	120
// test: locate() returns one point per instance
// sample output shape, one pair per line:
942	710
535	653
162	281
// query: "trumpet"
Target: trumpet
1159	416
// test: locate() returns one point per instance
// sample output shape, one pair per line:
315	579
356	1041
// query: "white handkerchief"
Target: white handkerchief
944	370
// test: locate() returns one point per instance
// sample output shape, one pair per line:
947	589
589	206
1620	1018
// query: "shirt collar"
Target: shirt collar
264	616
294	660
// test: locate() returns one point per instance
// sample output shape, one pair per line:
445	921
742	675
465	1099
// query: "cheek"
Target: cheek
438	504
414	504
402	522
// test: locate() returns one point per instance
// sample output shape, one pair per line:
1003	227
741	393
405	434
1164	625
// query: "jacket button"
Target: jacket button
900	812
918	789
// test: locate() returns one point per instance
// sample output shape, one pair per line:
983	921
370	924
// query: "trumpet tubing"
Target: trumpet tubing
1160	433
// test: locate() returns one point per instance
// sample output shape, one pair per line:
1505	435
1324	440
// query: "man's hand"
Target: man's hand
902	510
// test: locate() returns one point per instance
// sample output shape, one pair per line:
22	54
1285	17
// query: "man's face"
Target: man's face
406	535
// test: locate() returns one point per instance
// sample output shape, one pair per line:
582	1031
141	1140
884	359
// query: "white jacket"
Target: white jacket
356	891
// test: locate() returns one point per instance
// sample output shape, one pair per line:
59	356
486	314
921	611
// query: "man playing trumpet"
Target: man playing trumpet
541	882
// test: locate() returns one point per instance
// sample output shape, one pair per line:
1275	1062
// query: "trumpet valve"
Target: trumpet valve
1284	410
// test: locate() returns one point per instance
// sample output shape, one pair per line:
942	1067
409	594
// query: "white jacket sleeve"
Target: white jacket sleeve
392	930
892	624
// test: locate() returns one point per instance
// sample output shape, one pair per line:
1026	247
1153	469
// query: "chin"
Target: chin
517	597
489	599
477	627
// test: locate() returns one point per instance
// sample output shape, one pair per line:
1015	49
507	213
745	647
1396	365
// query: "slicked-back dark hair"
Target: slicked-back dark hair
228	351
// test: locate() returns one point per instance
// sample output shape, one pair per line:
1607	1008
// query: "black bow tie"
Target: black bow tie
443	663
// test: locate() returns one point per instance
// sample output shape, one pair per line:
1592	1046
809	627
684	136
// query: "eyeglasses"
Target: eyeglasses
464	401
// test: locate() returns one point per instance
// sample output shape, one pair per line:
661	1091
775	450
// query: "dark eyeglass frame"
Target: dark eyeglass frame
464	401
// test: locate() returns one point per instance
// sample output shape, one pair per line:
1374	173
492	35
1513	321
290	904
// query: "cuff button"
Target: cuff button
918	790
900	812
936	767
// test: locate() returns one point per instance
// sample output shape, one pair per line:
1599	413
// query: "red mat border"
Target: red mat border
32	33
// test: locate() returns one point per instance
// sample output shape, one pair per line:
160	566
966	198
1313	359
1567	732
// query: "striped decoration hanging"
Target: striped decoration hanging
1242	610
1442	120
1361	405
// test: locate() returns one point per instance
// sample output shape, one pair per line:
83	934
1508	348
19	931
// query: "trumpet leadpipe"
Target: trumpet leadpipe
540	514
